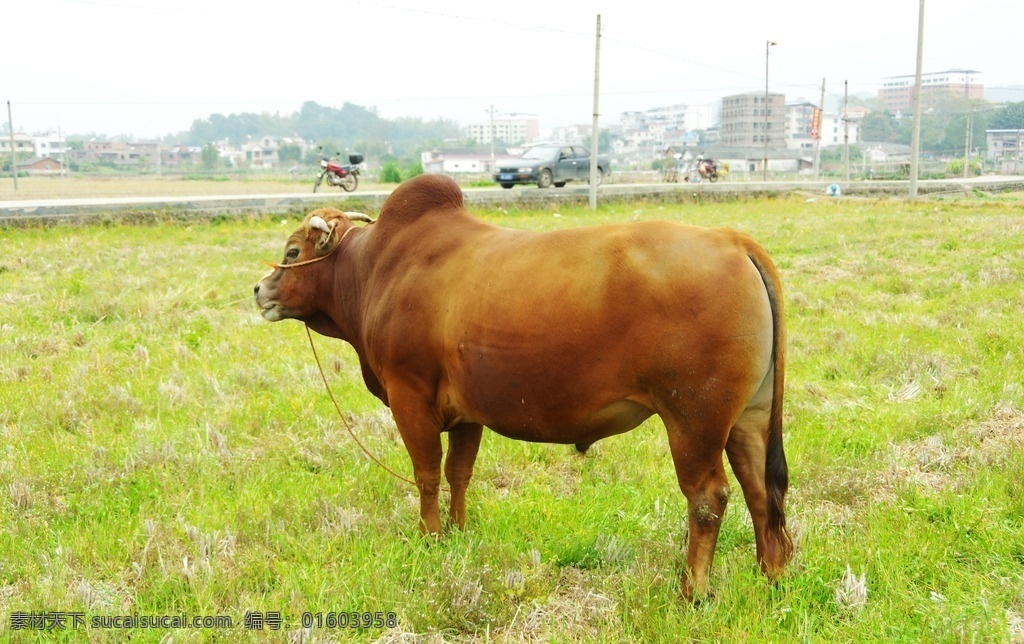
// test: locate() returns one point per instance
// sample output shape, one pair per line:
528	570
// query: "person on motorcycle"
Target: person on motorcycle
705	166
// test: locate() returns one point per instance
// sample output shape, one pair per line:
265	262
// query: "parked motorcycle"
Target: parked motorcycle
346	176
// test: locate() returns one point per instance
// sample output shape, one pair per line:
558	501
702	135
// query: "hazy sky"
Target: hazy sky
151	67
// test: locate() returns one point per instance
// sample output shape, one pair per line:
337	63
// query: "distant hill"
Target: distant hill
350	127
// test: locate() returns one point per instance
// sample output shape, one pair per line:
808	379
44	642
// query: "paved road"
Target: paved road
370	200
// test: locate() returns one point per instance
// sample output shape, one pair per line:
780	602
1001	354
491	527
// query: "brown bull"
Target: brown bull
558	337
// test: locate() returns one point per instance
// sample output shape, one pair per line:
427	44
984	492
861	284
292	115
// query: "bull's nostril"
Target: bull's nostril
256	289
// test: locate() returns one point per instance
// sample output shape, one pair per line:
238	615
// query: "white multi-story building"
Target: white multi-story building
832	130
22	143
898	91
672	118
509	130
50	145
799	119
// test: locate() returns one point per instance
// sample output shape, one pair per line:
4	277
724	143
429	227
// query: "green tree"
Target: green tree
1009	117
933	130
289	152
19	158
329	148
210	156
877	127
942	125
413	168
956	132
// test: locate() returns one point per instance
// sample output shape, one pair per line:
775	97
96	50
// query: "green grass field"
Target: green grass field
164	451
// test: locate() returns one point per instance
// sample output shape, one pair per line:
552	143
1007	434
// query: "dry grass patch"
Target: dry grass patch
174	186
930	465
31	188
573	611
936	463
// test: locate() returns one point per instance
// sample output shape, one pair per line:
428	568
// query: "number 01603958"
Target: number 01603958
354	619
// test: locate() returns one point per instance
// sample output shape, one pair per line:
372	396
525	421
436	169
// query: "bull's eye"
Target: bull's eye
291	255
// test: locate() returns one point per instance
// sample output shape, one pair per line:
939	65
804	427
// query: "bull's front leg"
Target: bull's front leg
426	466
422	440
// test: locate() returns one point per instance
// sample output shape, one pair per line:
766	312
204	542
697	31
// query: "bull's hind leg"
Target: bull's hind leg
463	444
747	450
697	454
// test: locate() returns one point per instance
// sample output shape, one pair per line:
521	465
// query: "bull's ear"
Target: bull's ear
327	239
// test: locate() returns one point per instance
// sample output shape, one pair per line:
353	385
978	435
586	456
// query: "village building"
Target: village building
41	166
1003	147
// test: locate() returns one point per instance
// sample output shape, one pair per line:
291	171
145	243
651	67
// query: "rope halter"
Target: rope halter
315	259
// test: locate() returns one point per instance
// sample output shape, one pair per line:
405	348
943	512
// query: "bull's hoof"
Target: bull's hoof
696	602
688	595
428	532
695	593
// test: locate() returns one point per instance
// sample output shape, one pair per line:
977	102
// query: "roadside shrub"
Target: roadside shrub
955	168
390	173
414	169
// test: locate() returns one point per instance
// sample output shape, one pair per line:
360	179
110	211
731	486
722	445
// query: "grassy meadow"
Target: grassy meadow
164	451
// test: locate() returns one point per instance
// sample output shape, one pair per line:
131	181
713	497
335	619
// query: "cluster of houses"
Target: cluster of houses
740	137
751	132
50	154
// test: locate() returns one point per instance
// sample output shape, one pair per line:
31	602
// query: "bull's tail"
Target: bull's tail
778	544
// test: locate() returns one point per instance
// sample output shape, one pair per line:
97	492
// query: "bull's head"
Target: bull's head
291	290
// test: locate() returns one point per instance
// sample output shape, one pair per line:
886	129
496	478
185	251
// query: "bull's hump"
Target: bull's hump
420	195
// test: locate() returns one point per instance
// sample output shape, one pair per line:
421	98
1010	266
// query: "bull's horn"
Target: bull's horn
316	221
358	216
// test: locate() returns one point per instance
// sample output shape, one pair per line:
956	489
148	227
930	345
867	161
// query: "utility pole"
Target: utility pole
915	139
767	45
1017	160
967	140
491	113
63	153
594	138
846	129
817	144
14	159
